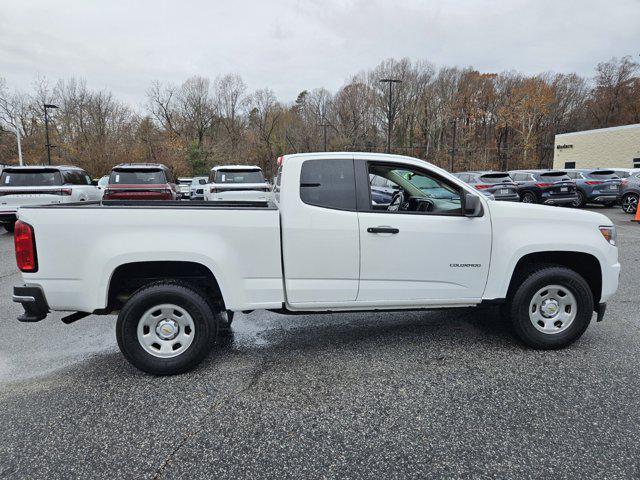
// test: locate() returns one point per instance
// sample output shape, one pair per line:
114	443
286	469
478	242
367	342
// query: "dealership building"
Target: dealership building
605	147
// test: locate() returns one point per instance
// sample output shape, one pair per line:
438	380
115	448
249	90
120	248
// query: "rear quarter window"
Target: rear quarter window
328	183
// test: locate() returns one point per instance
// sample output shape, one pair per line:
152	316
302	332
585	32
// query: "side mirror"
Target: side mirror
472	207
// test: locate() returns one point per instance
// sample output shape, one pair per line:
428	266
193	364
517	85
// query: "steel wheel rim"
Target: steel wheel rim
165	330
553	309
630	203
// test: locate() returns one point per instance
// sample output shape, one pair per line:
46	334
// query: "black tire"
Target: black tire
167	292
9	227
528	197
520	300
629	203
581	201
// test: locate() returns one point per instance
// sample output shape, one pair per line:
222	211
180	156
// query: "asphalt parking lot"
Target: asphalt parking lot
397	395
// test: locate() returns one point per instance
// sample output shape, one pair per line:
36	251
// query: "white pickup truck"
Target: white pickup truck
176	271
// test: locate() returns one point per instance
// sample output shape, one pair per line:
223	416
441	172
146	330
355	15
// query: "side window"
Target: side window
67	177
328	183
417	191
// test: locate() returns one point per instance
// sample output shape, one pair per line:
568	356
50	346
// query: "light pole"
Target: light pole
17	127
453	146
390	117
324	126
46	128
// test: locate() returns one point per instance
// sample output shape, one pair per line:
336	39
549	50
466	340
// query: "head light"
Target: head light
609	234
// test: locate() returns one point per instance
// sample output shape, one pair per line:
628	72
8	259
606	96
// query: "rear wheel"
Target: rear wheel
629	203
528	197
166	328
581	200
9	227
551	307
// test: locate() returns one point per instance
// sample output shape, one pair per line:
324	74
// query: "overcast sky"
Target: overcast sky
292	45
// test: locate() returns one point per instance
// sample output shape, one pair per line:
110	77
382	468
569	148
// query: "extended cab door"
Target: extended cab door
320	235
420	249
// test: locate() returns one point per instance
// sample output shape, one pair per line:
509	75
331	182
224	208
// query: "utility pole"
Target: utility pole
46	128
453	146
324	126
390	117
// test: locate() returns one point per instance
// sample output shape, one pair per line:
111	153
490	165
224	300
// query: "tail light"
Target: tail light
543	185
482	187
280	158
66	191
212	189
25	246
594	182
624	182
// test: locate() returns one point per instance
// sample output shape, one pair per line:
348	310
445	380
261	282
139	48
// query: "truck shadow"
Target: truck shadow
446	327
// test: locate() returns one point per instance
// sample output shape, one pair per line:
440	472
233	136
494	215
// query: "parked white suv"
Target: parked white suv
236	182
42	185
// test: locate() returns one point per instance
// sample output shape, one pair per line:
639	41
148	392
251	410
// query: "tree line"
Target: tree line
458	118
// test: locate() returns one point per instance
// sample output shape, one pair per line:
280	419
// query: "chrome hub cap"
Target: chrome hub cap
553	309
165	330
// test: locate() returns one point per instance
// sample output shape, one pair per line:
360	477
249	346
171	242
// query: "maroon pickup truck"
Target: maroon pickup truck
141	181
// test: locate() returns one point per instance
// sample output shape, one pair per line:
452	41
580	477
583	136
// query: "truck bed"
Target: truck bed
80	245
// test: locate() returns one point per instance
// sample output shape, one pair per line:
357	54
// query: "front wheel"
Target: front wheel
580	200
166	328
629	203
551	308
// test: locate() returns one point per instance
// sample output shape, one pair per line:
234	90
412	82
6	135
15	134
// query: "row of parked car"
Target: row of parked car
571	187
62	184
42	185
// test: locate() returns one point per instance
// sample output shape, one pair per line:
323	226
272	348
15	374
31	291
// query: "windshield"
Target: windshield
132	176
239	176
30	178
199	181
495	178
103	181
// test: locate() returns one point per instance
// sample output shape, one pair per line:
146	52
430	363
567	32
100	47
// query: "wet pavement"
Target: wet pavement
388	395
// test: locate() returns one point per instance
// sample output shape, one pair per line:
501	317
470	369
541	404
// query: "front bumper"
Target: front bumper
33	301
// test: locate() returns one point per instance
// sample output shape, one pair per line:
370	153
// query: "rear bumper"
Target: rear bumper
560	201
33	301
603	198
7	217
507	198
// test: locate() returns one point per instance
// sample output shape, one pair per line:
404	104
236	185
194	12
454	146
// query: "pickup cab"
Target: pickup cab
176	271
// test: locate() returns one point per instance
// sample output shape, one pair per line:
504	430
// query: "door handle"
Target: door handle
383	230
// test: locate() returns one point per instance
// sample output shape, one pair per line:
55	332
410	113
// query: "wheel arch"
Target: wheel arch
127	278
585	264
